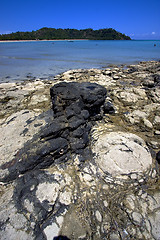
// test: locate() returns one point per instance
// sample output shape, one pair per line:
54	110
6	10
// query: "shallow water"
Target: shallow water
45	59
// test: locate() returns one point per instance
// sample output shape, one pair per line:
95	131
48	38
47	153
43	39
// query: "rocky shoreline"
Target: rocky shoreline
80	155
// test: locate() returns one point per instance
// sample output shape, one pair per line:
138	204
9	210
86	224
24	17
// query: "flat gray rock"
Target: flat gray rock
122	153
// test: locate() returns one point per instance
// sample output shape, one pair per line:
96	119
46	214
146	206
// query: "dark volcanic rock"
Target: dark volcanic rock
158	157
74	97
75	106
37	154
109	108
156	78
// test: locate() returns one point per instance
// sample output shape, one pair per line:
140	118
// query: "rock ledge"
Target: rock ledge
87	166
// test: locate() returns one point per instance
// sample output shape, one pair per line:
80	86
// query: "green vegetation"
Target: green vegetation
52	33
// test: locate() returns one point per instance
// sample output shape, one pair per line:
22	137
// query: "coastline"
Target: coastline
22	58
70	40
62	156
45	40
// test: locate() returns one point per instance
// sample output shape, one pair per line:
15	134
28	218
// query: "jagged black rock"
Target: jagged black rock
75	107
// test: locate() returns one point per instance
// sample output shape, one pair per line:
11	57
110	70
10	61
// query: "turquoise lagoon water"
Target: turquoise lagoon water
45	59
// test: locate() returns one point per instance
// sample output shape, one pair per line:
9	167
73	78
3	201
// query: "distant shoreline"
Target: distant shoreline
72	40
71	34
45	40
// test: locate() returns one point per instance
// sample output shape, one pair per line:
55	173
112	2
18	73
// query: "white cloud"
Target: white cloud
153	33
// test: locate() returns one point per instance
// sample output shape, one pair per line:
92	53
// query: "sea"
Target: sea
25	60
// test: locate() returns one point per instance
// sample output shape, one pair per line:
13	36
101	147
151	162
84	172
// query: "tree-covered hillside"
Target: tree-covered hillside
52	33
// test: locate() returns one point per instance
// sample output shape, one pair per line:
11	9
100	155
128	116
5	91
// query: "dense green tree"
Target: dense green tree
52	33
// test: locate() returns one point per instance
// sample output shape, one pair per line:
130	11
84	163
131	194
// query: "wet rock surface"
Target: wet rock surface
85	164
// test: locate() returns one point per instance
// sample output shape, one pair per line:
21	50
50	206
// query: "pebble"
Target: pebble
137	217
147	123
134	176
65	197
141	180
98	216
105	203
157	132
105	187
115	77
154	173
51	231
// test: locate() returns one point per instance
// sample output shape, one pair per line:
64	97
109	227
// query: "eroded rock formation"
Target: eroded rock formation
89	167
74	105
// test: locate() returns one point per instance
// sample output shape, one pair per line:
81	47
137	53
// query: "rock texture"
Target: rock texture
122	153
74	106
87	165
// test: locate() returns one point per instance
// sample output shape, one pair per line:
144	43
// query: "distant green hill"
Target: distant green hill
52	33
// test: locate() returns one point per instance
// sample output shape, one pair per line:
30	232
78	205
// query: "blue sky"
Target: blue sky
140	19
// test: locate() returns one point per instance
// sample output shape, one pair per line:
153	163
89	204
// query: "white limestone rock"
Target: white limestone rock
10	233
65	197
147	123
136	116
18	129
36	99
47	191
132	96
51	231
98	216
121	153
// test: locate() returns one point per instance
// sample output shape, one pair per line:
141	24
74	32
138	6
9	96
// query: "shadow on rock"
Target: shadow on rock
61	238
